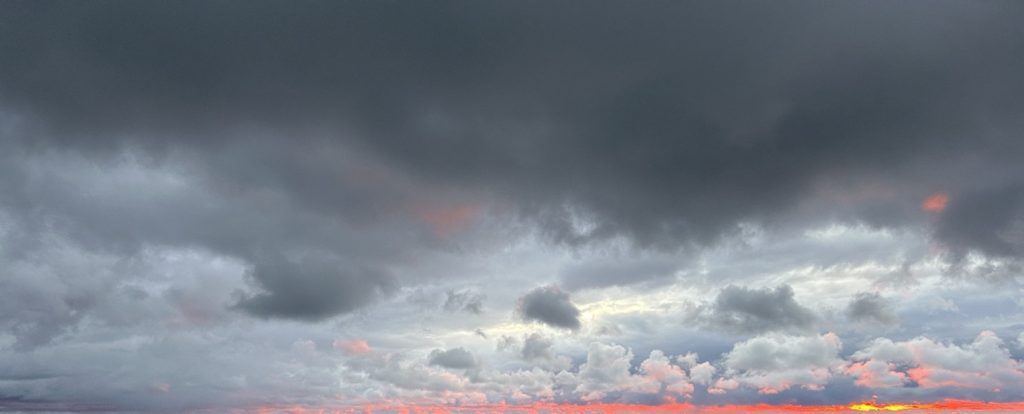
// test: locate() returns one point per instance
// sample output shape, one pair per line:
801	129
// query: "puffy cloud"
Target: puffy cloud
670	378
607	374
776	362
702	373
456	358
606	370
523	386
877	374
744	310
395	376
723	386
549	305
537	347
870	307
984	364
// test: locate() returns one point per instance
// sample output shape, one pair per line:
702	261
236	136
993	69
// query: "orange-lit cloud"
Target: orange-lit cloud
935	203
447	220
353	346
876	374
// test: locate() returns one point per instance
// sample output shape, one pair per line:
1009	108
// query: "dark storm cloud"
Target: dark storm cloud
665	123
870	307
989	221
455	358
549	305
744	310
653	137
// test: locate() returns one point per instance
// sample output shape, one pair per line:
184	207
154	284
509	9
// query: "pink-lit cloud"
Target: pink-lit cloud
352	346
984	364
935	203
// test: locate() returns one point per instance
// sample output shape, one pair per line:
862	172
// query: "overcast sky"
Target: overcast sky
217	205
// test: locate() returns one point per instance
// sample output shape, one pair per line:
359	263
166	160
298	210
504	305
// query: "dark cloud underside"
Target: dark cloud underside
551	306
746	310
457	358
665	123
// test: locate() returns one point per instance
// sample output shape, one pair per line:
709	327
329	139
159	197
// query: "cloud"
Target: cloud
537	347
983	364
186	202
703	373
872	308
666	155
464	300
988	221
670	378
745	310
606	374
312	288
607	369
700	372
352	346
776	362
617	272
455	358
551	306
935	203
506	342
447	220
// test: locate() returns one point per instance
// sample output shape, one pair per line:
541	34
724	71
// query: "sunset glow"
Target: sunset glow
945	406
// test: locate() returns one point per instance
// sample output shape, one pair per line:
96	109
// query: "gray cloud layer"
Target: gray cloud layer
188	187
664	142
667	150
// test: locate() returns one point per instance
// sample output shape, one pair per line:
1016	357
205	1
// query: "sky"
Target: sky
228	206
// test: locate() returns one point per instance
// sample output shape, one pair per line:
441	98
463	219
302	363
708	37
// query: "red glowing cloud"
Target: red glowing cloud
935	203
